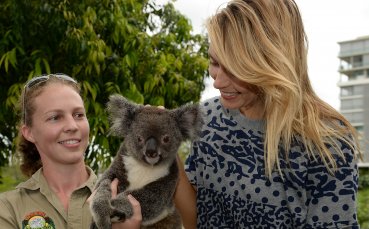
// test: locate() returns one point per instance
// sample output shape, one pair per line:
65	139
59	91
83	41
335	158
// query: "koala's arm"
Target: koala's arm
100	205
115	170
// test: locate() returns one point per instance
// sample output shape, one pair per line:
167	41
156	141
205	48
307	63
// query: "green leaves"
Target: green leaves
139	49
9	57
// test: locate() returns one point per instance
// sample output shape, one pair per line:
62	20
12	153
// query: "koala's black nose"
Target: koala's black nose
151	147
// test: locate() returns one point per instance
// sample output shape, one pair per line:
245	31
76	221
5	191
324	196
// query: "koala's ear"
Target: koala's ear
189	119
121	113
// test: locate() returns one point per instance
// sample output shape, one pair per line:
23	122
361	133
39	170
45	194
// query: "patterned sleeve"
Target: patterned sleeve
190	164
195	161
331	200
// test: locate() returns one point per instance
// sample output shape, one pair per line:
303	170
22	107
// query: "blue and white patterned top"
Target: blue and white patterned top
226	166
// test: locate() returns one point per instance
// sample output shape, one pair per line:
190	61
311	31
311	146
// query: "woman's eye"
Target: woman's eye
53	118
214	63
80	115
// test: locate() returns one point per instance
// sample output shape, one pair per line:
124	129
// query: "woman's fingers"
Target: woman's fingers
160	107
114	188
136	208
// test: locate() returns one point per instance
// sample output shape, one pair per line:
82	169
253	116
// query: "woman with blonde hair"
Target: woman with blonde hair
272	154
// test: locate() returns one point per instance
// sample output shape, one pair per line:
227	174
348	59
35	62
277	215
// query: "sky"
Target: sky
326	22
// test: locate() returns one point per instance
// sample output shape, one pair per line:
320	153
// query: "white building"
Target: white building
354	88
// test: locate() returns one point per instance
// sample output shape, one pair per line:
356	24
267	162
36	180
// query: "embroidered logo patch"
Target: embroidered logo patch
37	220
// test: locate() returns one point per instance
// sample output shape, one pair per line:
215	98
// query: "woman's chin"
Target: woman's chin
229	104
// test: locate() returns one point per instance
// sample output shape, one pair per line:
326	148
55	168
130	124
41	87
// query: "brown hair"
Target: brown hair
30	157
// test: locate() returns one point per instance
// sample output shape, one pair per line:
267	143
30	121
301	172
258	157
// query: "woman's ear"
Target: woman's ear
27	133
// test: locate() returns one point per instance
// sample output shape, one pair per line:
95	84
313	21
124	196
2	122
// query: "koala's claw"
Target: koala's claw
118	216
122	209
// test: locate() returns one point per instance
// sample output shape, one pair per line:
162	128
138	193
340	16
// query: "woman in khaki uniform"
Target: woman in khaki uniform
53	137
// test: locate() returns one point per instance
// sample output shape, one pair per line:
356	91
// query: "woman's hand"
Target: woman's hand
185	198
133	222
130	223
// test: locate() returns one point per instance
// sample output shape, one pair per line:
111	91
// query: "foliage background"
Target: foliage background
363	198
136	48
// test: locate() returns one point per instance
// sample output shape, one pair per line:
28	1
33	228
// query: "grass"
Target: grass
10	177
363	208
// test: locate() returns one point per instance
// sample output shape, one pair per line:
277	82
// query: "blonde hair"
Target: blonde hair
263	43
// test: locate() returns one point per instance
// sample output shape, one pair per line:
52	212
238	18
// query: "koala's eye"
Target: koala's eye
165	139
139	139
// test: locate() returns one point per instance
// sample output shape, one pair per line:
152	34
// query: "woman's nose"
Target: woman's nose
71	124
221	78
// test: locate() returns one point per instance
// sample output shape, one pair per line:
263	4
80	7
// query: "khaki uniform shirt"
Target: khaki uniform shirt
33	205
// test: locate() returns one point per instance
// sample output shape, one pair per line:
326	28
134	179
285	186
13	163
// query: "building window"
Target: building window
359	129
360	132
352	90
347	91
357	61
349	104
354	117
358	74
366	59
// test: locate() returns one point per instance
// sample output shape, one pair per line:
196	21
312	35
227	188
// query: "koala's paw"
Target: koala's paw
101	214
104	187
100	206
122	209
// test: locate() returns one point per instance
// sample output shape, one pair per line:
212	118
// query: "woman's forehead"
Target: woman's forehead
58	94
211	53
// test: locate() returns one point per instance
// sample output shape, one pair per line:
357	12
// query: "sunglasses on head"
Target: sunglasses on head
41	79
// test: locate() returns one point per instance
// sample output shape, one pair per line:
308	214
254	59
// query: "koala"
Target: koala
145	163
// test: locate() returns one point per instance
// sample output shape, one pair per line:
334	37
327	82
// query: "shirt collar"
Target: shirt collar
38	181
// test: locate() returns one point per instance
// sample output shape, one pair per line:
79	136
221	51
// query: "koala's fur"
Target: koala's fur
145	164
